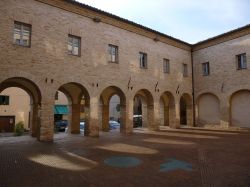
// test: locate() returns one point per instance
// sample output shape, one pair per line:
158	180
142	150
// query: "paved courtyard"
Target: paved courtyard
176	158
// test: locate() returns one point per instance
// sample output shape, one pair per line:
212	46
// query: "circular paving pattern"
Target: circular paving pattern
123	162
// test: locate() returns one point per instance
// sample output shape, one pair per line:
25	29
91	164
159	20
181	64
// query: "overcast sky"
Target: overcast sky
188	20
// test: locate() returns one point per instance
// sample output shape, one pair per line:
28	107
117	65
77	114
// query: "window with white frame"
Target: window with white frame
74	45
143	60
166	66
113	53
22	34
205	68
185	70
241	61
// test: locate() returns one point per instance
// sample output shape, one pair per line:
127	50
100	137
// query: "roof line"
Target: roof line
74	2
198	45
223	34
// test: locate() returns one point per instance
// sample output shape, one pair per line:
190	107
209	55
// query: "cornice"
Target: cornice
107	18
104	17
242	31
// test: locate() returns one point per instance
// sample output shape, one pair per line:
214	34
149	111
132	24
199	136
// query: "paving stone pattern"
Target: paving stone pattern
218	159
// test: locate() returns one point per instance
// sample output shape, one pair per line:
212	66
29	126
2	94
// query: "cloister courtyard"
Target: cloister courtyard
168	157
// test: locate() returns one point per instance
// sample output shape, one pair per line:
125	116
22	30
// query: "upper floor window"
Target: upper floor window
22	34
205	68
74	45
185	70
143	60
241	61
166	66
4	100
113	52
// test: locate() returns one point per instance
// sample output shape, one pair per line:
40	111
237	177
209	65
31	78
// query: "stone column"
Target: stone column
34	120
46	127
197	114
86	125
127	112
144	109
189	110
93	118
177	116
154	116
225	112
75	122
105	117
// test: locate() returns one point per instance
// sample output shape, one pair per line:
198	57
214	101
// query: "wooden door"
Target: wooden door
7	123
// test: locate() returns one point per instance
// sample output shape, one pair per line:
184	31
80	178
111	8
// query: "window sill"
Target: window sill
115	62
241	68
70	54
20	45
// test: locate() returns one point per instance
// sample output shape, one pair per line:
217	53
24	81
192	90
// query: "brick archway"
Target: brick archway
186	117
105	97
78	104
167	112
147	107
208	109
35	99
239	109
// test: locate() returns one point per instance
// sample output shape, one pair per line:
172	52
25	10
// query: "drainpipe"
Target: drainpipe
192	64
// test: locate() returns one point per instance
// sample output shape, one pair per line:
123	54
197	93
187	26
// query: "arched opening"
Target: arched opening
61	112
208	110
71	111
143	109
240	109
167	109
112	109
114	112
186	110
20	101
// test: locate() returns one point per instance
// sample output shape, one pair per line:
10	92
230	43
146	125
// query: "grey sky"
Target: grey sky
188	20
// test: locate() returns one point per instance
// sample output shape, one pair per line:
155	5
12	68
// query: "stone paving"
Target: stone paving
168	158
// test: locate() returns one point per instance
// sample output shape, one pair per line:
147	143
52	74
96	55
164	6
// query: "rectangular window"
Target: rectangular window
4	100
113	52
22	34
166	67
185	70
74	45
143	60
205	68
241	61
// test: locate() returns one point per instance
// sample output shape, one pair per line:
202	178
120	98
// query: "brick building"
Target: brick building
51	45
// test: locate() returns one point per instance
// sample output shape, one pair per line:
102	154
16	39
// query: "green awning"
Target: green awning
61	109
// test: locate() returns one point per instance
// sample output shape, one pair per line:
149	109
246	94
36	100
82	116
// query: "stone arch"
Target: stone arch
147	103
35	99
208	109
186	117
79	103
240	108
105	97
167	105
